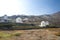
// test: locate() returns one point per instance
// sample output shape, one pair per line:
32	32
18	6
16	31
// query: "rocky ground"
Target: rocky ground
34	34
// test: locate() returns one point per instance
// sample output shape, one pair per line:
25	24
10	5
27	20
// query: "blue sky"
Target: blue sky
29	7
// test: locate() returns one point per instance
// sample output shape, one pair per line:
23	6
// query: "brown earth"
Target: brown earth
34	34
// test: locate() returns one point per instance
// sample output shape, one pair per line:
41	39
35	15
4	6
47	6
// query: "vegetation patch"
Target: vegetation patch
4	35
8	35
16	34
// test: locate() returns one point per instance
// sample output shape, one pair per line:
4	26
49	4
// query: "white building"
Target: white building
5	17
1	20
44	23
25	19
19	20
47	23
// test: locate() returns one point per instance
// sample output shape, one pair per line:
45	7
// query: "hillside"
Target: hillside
54	19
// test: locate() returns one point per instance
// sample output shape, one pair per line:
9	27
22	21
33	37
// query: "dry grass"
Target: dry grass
55	31
57	34
34	34
9	34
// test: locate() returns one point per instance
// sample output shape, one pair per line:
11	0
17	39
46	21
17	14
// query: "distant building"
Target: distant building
47	23
13	19
19	20
4	19
1	20
44	23
25	19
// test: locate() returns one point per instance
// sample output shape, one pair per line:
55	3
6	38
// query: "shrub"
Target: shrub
6	26
17	34
51	26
